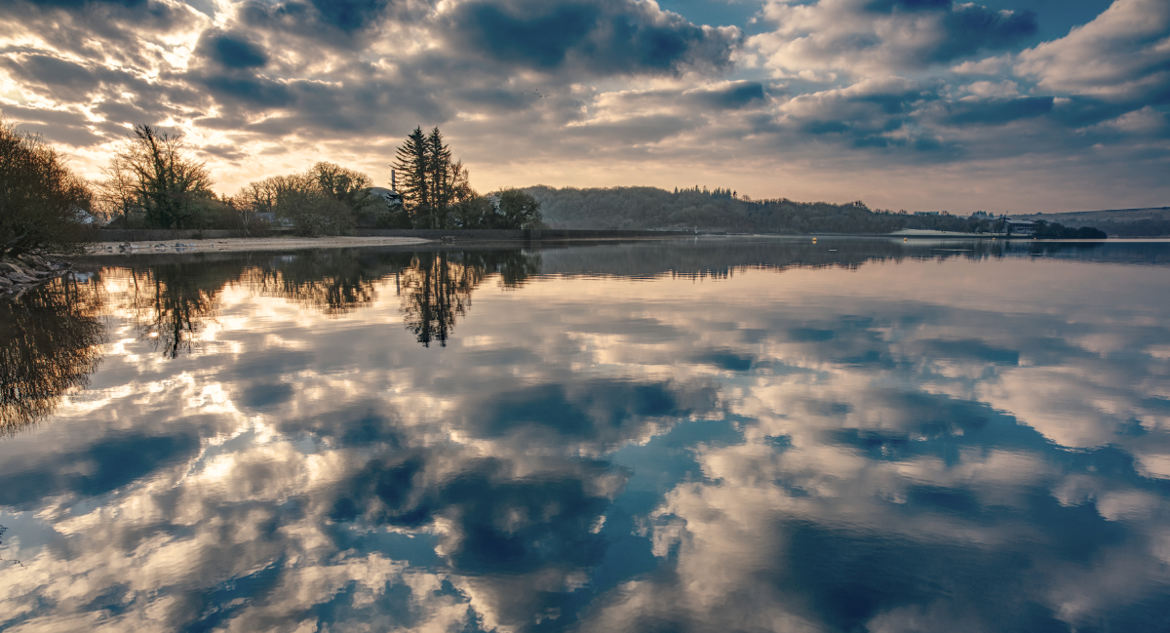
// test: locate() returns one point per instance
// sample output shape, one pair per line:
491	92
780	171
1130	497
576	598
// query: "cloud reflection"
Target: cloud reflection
760	436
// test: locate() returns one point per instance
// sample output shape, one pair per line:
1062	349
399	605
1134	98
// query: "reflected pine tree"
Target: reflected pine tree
434	290
49	343
436	287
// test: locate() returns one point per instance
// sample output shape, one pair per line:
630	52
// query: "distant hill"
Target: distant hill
723	210
1146	222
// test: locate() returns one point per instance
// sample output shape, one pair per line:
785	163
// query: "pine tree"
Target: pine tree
439	165
411	161
432	182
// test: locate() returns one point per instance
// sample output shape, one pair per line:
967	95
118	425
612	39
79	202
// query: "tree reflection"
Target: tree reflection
48	344
434	290
172	299
334	282
436	287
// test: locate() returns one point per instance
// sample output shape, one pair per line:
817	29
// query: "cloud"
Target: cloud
997	111
830	38
231	50
1123	54
601	38
684	446
55	76
344	24
877	113
606	85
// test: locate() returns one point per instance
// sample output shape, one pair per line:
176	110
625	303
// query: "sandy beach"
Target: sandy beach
244	244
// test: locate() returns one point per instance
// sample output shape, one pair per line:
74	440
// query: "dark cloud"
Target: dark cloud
967	27
971	28
50	70
607	411
725	359
231	50
137	12
875	116
741	94
1081	111
251	91
608	37
78	4
349	15
852	37
552	513
340	24
105	465
997	111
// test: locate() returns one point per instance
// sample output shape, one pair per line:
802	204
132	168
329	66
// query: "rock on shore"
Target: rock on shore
22	272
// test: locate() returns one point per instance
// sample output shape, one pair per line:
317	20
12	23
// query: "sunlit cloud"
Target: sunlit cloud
1004	111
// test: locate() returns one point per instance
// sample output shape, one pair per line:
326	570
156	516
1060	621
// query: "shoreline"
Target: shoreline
242	244
21	273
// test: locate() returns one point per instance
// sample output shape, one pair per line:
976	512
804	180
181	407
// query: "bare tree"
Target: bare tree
153	177
323	201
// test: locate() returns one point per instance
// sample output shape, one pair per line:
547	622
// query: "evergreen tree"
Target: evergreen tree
440	168
411	161
433	184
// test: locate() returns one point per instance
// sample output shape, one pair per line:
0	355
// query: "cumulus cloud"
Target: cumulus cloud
831	38
606	85
1123	54
611	36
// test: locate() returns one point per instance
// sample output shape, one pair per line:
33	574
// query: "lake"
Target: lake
717	434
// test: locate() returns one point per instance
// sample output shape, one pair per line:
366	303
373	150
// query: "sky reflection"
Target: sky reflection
751	436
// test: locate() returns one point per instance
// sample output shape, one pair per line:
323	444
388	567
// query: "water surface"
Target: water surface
711	435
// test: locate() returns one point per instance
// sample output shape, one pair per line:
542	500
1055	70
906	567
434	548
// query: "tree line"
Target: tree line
153	182
724	210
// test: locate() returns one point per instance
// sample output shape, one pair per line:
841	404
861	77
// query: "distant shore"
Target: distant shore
180	244
239	244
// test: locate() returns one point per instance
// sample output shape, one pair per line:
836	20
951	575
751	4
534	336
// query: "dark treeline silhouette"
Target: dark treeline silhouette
1139	222
1057	231
153	183
1137	228
49	343
724	210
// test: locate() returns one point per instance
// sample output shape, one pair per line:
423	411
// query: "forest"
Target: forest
723	210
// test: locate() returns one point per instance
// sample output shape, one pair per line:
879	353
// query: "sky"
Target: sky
999	105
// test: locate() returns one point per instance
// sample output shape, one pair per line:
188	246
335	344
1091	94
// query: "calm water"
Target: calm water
721	435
